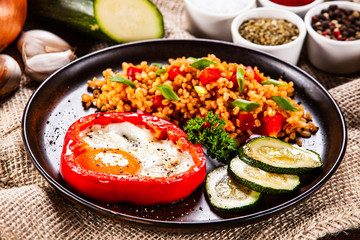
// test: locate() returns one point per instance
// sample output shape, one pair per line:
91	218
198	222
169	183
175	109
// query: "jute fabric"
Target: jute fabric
31	209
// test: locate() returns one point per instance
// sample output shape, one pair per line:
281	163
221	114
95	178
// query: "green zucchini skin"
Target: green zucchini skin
75	14
97	19
237	173
228	204
149	22
242	152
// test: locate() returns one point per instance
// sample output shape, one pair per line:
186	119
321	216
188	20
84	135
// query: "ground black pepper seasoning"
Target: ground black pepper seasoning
269	31
337	23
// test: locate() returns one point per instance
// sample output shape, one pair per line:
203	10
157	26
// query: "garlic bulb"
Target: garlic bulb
43	53
10	75
36	42
39	67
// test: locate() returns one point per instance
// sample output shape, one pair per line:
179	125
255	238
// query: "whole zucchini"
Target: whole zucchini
117	20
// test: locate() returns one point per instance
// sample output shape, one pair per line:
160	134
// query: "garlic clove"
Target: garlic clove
34	48
43	53
35	42
39	67
10	75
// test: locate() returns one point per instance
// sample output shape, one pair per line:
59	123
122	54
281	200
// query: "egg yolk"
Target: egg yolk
108	160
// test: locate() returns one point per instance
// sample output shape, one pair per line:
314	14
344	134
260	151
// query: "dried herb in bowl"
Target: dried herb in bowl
269	31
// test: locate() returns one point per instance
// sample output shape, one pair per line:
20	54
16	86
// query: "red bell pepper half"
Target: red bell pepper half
209	74
128	186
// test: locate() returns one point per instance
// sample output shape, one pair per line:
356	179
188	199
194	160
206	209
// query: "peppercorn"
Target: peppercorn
337	23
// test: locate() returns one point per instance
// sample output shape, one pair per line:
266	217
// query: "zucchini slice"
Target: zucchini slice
125	21
227	195
110	20
276	156
260	180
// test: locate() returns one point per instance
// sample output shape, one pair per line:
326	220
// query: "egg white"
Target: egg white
157	158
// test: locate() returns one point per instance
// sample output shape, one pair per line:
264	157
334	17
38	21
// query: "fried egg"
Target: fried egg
124	148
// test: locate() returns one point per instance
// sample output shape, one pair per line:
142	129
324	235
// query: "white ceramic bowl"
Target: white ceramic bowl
289	52
204	22
340	57
299	10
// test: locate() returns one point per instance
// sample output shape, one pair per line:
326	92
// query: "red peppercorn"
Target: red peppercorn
337	23
336	32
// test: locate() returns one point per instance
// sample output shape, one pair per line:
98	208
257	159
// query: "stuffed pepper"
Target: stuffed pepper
131	157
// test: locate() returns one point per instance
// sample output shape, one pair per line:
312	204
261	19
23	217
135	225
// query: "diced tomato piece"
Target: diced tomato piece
257	77
205	125
235	82
208	125
131	71
249	70
209	74
252	71
271	126
157	101
247	122
174	71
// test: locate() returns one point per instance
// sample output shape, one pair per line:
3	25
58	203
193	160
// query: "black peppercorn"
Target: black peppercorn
337	23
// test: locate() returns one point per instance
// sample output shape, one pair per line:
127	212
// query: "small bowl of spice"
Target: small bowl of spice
300	7
212	18
333	43
276	31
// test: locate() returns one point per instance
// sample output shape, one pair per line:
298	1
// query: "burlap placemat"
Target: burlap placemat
31	209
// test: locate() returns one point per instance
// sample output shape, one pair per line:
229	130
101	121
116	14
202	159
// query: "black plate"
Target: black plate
57	103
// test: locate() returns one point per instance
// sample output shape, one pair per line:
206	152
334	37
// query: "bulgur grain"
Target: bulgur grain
257	123
292	136
281	134
305	133
114	96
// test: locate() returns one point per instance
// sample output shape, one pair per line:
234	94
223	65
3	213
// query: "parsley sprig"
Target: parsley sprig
210	132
